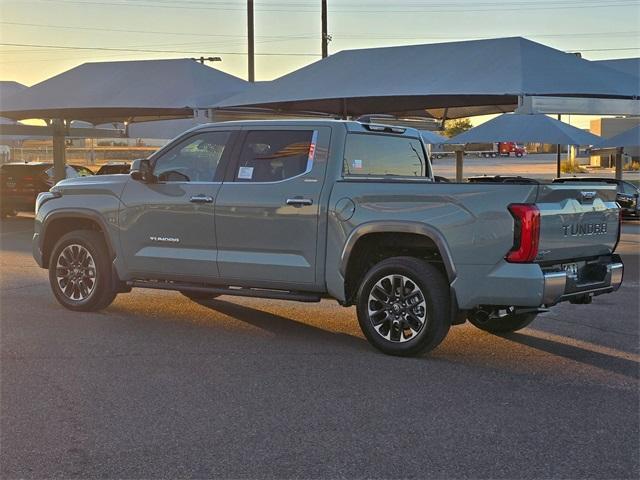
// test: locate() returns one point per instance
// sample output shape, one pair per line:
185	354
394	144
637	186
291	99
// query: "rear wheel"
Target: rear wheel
507	322
403	306
80	271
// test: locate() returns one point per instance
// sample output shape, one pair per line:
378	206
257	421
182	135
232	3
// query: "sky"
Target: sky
41	38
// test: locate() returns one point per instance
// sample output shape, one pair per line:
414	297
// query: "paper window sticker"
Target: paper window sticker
357	164
245	173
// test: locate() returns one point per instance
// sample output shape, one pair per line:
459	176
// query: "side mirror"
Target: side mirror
141	170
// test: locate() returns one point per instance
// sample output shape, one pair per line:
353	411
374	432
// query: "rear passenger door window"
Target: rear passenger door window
274	155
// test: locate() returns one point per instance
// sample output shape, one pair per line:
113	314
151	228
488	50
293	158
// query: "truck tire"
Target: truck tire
504	324
403	306
195	296
80	272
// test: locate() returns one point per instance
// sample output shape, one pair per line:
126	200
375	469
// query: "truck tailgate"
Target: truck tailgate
577	221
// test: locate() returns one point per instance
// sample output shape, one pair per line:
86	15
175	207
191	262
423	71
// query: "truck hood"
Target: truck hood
109	184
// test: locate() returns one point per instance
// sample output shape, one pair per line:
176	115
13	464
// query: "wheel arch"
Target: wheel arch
401	234
61	222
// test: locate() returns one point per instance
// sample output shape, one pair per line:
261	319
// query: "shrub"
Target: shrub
566	167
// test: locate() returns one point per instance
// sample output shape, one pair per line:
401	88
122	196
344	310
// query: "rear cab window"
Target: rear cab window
375	155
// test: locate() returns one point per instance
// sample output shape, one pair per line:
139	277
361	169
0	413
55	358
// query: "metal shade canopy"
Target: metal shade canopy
630	66
432	138
517	127
124	91
629	138
451	80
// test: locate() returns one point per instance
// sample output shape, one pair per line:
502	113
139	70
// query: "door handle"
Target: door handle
299	202
201	199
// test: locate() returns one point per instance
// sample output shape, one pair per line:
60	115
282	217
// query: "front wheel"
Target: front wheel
508	322
403	306
80	271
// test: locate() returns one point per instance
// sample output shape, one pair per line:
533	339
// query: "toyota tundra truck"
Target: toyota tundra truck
310	209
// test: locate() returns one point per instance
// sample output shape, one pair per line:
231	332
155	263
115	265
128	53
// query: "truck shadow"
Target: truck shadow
621	366
283	326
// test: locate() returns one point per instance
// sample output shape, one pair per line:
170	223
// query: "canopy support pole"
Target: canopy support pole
618	163
459	165
59	154
558	157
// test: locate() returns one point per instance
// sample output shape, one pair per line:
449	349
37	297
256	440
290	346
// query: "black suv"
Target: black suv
20	184
114	168
627	195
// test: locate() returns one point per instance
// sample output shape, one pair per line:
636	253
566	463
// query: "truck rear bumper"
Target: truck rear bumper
594	278
531	285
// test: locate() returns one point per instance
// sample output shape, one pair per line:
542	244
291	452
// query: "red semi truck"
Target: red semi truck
504	149
486	150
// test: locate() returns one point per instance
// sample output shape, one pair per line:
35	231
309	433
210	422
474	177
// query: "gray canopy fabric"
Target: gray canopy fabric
129	90
515	127
630	138
8	89
630	66
432	137
447	79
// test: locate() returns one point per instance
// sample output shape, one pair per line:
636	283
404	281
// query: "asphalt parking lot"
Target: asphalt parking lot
158	386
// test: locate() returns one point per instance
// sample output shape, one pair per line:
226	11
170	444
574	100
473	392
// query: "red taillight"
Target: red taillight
526	235
27	179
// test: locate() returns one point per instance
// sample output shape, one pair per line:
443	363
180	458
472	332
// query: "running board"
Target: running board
237	291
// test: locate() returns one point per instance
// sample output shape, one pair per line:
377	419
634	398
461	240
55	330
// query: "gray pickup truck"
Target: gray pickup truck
310	209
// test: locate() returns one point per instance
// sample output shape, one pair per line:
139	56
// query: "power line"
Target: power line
114	49
274	38
433	8
156	32
603	49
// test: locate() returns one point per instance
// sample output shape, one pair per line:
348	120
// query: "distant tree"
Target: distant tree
456	127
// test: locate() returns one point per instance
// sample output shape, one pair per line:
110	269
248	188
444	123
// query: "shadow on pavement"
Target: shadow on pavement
621	366
282	326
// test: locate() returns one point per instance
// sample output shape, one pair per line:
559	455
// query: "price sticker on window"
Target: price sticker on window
245	173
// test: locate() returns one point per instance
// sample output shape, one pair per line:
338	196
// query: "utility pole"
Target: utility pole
251	46
59	161
325	35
